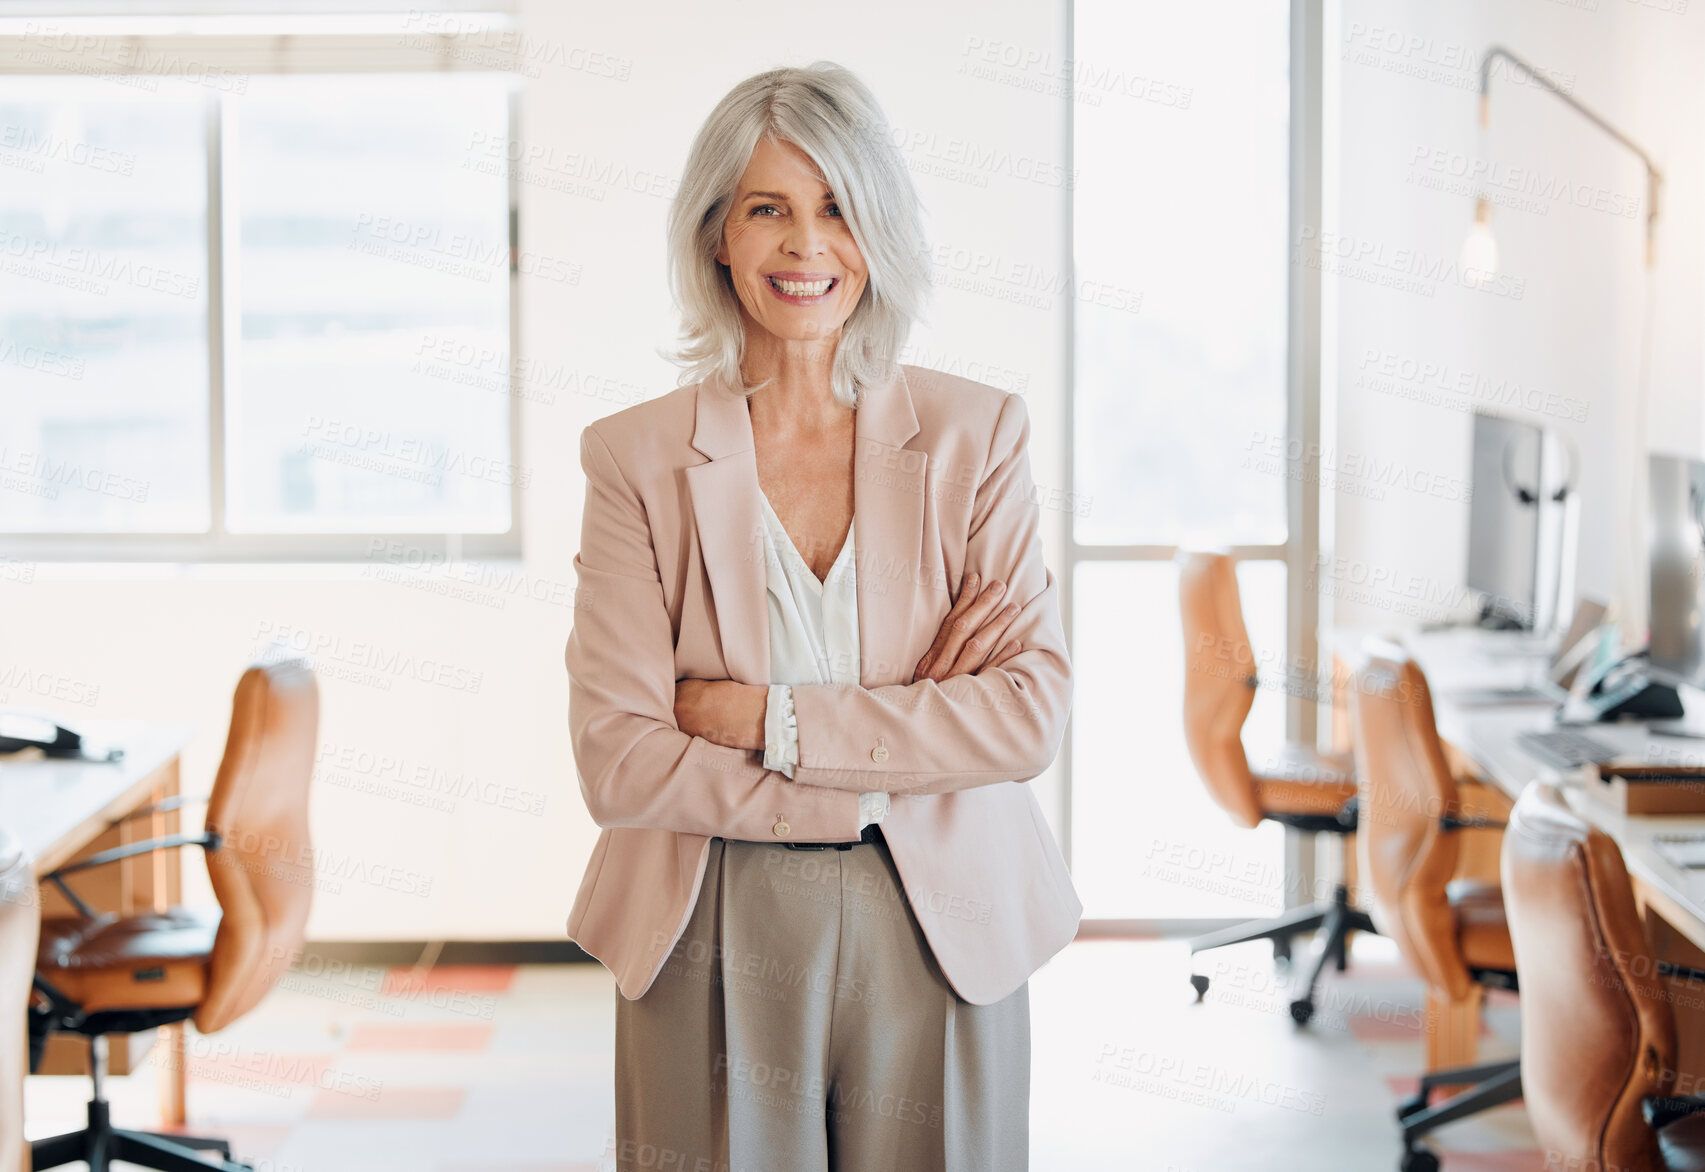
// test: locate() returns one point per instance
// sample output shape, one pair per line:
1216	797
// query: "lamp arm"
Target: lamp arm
1552	87
1654	177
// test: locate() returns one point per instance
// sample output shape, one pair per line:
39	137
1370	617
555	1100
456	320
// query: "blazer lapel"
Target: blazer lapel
888	529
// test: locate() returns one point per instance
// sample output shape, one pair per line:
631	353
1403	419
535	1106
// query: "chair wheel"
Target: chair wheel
1301	1011
1200	984
1419	1160
1410	1107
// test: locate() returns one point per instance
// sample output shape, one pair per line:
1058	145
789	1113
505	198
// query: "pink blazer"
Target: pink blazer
671	586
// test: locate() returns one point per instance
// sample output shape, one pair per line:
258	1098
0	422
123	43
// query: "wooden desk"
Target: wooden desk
1485	739
63	810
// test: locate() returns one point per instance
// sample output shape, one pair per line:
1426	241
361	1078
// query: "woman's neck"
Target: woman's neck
799	398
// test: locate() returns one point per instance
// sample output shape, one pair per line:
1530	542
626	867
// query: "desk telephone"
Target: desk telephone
21	729
1623	690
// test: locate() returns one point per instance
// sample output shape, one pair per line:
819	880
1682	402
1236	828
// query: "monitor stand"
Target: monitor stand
1493	618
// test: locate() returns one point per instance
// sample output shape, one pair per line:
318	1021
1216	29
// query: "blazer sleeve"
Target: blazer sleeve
636	767
1003	723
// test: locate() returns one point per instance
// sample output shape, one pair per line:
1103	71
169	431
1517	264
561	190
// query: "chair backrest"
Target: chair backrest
20	920
1597	1032
1219	681
1405	790
263	870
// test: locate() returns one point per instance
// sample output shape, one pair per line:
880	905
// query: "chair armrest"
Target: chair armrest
1661	1112
175	802
1450	822
1670	969
207	839
130	850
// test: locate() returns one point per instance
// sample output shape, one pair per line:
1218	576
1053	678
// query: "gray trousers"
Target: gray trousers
801	1024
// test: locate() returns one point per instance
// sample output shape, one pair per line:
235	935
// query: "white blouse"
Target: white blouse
813	640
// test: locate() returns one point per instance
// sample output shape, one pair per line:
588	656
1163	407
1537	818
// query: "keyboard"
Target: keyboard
1565	748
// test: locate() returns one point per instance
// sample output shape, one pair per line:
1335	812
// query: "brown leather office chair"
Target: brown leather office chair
1598	1035
101	973
19	919
1301	788
1453	932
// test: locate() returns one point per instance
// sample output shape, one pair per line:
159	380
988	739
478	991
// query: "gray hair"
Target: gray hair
830	115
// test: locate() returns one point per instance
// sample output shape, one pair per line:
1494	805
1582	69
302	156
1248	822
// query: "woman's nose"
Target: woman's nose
805	239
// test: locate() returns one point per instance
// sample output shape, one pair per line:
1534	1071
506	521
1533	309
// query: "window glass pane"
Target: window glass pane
1181	143
370	365
1147	841
103	305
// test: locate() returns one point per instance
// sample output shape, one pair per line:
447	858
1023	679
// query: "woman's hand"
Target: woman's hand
971	629
722	711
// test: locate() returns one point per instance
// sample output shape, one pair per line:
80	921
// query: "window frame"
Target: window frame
1303	501
470	42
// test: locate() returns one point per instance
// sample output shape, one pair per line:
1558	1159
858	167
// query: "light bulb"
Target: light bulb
1480	250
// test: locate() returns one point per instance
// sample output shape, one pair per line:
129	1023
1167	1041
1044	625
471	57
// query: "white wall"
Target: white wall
170	645
1407	77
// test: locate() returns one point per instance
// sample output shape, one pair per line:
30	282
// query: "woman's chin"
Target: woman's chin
801	328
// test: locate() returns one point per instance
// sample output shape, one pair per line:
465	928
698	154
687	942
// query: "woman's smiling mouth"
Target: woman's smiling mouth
800	288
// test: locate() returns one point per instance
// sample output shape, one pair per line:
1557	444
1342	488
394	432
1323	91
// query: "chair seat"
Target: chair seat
1682	1145
1304	781
151	960
1482	928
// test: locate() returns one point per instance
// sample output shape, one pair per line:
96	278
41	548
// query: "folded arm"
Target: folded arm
636	767
1003	723
781	751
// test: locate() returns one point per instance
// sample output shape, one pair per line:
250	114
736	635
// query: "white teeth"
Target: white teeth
802	288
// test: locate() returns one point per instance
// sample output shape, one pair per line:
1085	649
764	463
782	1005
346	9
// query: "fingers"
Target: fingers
962	643
969	613
974	655
933	658
927	666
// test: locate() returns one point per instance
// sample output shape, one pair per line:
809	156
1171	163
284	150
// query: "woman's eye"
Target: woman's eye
835	208
766	208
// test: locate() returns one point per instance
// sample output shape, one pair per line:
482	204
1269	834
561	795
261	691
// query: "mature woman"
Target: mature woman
816	655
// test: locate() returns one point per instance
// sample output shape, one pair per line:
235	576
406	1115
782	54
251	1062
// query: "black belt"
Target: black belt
871	833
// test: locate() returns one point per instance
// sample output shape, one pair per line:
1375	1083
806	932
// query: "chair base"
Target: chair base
1495	1084
101	1145
1331	923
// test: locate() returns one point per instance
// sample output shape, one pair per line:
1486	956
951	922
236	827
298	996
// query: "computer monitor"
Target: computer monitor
1503	519
1677	588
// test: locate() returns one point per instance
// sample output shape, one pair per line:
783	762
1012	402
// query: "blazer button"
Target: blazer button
880	753
781	829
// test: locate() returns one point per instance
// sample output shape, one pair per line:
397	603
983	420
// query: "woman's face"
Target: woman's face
791	255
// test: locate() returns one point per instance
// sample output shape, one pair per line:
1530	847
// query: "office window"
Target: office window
266	319
1181	138
1183	193
368	248
1147	840
103	308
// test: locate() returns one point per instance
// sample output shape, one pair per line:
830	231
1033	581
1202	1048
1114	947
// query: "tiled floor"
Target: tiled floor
508	1070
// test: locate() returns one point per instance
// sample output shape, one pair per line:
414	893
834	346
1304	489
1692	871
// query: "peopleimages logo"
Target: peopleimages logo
1406	270
1492	178
1349	472
1443	384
